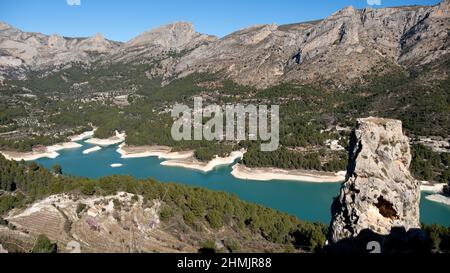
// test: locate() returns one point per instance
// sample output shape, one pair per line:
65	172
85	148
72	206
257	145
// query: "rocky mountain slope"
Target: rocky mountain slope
379	194
117	223
21	51
129	223
342	48
161	47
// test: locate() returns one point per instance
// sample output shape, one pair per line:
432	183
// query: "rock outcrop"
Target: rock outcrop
379	194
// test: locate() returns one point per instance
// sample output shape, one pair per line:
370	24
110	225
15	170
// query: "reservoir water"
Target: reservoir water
307	201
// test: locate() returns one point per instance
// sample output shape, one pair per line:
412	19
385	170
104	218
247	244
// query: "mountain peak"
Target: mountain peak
347	9
99	36
174	26
96	43
442	10
172	35
4	26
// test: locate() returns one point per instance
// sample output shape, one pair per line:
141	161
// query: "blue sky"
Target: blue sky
122	20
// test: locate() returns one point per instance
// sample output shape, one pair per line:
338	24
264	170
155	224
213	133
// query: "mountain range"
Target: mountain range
339	50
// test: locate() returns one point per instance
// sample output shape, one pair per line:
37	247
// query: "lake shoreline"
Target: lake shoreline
46	152
106	142
82	136
269	174
186	159
439	198
51	151
194	164
425	186
162	152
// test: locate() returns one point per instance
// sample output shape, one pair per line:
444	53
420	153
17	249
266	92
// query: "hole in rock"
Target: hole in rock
386	208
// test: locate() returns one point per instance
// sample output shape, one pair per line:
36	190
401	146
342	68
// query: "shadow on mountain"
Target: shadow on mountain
398	241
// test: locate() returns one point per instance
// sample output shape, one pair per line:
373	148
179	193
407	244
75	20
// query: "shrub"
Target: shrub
215	219
439	237
165	214
44	245
232	245
447	189
196	206
8	202
311	236
88	189
3	222
135	198
80	208
57	169
189	218
208	247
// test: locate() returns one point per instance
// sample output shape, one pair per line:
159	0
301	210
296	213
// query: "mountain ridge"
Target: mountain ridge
342	48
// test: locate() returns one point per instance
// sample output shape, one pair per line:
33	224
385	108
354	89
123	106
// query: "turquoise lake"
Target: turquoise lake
307	201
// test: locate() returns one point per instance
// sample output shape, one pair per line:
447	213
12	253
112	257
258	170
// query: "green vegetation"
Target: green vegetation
439	237
282	158
215	219
231	245
80	208
447	189
311	235
44	245
96	77
288	159
422	105
166	213
208	247
208	152
189	218
430	166
26	145
8	113
8	202
57	169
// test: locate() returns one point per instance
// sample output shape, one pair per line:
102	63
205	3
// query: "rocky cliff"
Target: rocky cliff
341	49
379	194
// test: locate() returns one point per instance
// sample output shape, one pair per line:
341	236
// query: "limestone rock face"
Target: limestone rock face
38	51
171	36
342	48
379	193
161	47
252	56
